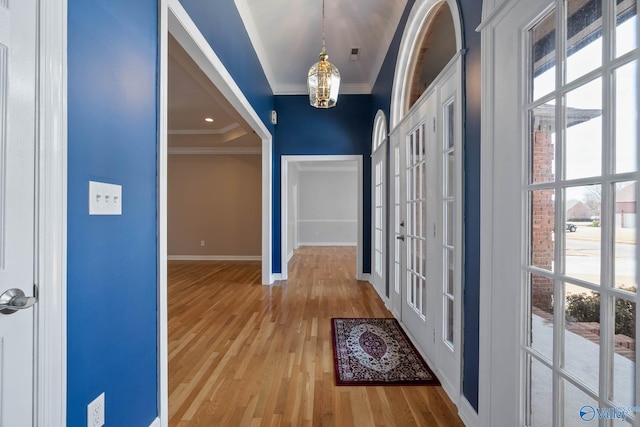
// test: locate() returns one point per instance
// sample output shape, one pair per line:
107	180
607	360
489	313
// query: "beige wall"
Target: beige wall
218	199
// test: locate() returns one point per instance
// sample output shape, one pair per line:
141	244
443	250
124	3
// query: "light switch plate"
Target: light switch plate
105	199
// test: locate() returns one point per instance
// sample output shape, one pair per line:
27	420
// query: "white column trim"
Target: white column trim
51	354
163	341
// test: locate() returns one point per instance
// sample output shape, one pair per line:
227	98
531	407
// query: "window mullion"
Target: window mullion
607	314
558	288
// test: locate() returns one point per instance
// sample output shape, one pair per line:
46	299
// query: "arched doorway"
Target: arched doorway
426	187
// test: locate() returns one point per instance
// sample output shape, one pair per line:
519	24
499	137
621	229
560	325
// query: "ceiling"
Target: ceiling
287	37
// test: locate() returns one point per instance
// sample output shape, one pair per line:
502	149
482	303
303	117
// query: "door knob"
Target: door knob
14	300
400	237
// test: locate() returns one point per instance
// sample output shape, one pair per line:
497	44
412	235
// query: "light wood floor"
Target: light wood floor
243	354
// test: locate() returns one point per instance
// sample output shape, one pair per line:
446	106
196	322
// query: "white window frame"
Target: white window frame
505	98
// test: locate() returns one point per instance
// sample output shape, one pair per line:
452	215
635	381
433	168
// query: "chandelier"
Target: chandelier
323	80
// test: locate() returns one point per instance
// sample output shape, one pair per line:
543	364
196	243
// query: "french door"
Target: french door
426	220
379	195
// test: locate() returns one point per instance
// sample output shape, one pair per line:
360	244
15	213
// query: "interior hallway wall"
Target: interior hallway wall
216	199
328	211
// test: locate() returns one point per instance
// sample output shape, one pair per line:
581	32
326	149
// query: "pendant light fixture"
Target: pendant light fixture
323	80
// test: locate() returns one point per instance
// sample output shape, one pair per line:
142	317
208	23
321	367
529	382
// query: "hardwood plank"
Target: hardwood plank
243	354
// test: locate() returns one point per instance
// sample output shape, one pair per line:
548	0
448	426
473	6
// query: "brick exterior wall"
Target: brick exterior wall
542	218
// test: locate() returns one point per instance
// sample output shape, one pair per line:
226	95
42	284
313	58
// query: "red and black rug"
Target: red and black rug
376	352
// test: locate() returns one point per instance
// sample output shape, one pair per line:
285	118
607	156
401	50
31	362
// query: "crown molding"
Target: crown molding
345	89
220	131
198	151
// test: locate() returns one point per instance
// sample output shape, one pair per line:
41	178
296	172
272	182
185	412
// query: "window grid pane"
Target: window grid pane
580	161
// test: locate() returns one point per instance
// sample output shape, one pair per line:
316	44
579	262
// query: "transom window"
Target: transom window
581	194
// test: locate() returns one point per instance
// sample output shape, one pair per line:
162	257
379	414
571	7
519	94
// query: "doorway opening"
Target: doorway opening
335	220
176	23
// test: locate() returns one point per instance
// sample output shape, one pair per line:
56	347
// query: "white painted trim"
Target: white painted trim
301	89
51	363
319	168
276	276
214	151
163	94
155	423
379	129
284	172
290	256
467	414
220	131
410	38
366	277
174	19
491	13
214	258
329	220
329	244
486	224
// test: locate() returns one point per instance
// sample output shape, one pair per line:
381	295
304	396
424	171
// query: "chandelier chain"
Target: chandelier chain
323	47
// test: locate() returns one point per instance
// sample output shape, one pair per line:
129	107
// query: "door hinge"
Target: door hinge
434	335
434	124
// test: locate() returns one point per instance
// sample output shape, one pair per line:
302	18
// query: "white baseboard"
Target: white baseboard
467	414
366	277
276	276
214	258
155	423
290	256
328	244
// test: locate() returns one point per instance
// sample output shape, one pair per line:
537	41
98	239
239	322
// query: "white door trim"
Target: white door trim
173	18
51	352
284	172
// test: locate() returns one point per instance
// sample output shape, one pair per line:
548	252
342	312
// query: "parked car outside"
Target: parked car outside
571	227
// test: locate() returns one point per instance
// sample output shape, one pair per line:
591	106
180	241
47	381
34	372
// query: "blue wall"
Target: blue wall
471	11
302	129
112	297
221	25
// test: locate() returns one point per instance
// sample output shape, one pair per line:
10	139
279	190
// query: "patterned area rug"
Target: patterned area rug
376	352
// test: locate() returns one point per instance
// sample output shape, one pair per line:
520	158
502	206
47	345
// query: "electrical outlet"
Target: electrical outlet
95	412
201	242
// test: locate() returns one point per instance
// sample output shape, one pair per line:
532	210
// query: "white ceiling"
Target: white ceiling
192	98
287	37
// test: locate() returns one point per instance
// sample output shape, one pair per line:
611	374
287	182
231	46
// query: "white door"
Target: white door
426	191
379	218
17	195
396	232
448	265
418	209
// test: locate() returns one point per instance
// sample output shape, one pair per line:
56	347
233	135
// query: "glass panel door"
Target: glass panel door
416	268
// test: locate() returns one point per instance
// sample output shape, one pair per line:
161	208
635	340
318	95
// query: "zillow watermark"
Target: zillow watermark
589	413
